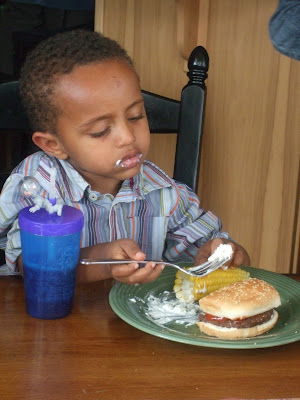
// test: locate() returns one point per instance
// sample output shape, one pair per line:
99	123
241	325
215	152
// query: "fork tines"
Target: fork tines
208	267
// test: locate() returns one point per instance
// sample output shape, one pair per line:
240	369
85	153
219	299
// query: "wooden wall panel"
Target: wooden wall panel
251	142
140	27
250	161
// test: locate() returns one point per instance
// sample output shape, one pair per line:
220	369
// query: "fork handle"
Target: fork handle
94	261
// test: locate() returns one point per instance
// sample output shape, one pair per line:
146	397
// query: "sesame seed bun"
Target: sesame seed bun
240	310
241	299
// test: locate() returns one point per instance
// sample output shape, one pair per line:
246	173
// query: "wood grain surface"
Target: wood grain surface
93	355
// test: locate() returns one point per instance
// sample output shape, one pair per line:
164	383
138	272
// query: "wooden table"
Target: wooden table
93	354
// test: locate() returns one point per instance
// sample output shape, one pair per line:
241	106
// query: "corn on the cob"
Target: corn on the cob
189	289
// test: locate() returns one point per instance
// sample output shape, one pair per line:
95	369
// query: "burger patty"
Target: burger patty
238	323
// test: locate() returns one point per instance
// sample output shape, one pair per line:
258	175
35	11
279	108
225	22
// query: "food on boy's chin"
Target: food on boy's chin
189	289
240	310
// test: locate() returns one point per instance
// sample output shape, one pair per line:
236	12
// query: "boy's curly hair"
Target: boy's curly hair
55	56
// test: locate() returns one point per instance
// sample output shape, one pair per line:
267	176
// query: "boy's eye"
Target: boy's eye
107	130
137	117
99	134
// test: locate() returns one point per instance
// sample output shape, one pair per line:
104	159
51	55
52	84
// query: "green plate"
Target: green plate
129	303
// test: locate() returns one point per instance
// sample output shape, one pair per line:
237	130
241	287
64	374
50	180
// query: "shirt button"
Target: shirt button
93	196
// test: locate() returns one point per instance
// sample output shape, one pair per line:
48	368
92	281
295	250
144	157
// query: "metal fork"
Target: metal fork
197	271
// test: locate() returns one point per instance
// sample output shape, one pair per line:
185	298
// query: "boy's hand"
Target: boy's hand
240	256
131	273
121	249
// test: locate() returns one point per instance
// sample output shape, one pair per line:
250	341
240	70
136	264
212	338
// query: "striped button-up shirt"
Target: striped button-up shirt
161	215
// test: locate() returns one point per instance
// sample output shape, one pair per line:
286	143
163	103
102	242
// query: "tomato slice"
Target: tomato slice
211	317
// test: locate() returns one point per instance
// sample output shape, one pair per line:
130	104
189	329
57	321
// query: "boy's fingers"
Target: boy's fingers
240	257
155	273
123	270
130	273
207	249
132	250
215	243
139	256
147	274
200	260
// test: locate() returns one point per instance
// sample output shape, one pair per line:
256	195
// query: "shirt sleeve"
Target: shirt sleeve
189	226
11	203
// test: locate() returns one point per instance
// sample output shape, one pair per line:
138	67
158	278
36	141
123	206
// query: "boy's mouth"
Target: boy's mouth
129	161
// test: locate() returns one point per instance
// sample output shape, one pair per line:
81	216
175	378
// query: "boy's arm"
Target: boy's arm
193	234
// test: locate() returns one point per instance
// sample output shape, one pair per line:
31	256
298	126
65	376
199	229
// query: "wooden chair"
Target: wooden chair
184	117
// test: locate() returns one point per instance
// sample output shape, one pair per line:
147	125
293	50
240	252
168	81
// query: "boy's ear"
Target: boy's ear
50	144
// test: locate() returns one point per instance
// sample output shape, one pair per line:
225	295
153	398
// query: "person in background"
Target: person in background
84	101
24	23
284	28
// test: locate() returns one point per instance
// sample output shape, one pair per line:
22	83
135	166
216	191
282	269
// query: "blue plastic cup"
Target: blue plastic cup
50	254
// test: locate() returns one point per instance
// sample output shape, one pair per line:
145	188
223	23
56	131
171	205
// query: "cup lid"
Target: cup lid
44	224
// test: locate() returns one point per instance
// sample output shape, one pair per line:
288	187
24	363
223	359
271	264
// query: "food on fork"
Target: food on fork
190	289
222	251
240	310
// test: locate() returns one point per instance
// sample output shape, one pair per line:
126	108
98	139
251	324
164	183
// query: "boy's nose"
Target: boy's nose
126	135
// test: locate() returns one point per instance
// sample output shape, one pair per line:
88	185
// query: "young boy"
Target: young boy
83	98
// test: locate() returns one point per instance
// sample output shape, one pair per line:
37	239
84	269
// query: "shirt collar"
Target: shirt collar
149	178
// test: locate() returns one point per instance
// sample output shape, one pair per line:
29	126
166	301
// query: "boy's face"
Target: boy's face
103	121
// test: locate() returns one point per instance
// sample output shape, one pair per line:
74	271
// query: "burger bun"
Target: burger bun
241	299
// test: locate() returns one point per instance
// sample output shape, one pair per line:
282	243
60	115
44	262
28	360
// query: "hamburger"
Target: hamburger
240	310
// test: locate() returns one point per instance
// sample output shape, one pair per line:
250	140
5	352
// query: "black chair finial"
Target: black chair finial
198	64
